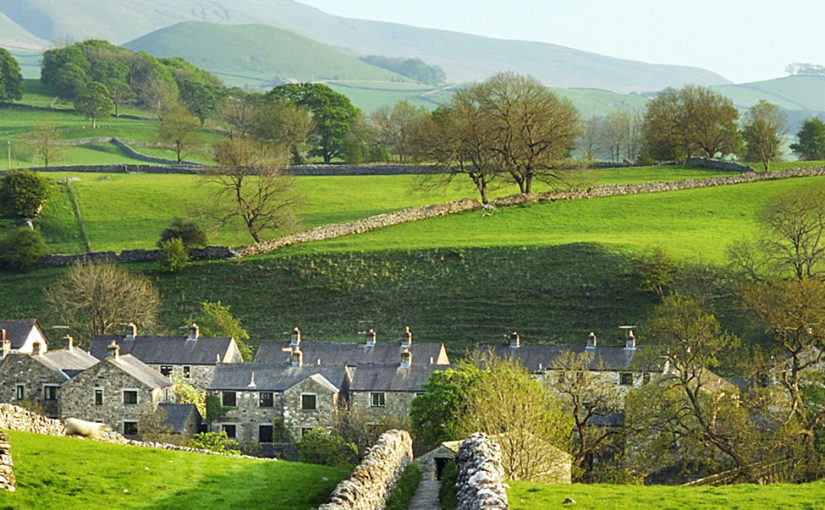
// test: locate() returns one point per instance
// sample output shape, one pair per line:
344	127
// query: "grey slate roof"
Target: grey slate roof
17	330
178	415
165	349
392	377
140	371
348	354
237	377
536	358
69	362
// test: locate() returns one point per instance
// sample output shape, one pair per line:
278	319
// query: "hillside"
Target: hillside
463	57
257	55
800	96
16	38
68	473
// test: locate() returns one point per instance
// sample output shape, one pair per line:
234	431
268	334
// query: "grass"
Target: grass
55	472
400	497
530	496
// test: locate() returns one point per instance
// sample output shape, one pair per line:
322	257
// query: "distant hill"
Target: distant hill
463	57
801	97
257	55
15	37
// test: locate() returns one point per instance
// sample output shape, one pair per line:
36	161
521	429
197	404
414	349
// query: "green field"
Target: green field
533	496
67	473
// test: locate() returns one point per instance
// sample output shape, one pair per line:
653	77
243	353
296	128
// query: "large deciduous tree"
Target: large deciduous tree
284	123
93	298
811	140
179	128
23	194
94	102
11	79
765	125
399	128
332	113
249	184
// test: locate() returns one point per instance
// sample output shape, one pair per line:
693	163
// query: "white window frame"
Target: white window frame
46	388
379	395
137	396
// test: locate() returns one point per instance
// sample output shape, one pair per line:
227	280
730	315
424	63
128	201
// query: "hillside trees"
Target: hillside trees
178	127
94	102
250	185
217	320
399	128
284	123
414	68
332	113
689	121
765	125
811	140
11	79
200	91
94	297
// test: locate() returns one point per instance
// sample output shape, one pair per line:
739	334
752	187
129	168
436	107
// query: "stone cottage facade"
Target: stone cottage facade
115	391
192	358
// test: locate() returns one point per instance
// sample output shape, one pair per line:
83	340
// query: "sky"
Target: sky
742	40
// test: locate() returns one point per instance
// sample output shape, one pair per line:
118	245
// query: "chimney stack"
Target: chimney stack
515	340
297	358
406	338
194	332
630	341
370	340
406	358
114	350
6	343
296	338
252	384
69	342
131	331
591	341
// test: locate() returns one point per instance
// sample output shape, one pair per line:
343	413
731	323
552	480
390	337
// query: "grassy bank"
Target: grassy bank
54	472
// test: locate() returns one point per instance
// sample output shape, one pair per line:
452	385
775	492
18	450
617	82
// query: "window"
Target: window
230	431
309	402
646	378
267	399
304	430
21	392
228	398
98	396
265	433
50	392
130	428
186	372
626	379
130	397
377	399
166	370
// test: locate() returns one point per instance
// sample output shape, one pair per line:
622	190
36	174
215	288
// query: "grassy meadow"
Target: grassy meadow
68	473
533	496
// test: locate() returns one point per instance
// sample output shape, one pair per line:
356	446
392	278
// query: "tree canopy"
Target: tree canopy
765	125
811	144
23	193
11	79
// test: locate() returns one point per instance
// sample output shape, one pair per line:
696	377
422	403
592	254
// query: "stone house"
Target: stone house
388	390
23	335
37	378
191	357
266	403
369	352
116	391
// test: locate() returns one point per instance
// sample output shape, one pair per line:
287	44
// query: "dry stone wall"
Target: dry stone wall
480	481
16	418
375	477
7	481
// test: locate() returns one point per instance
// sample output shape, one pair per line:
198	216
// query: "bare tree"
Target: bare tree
94	297
45	139
178	127
250	184
399	127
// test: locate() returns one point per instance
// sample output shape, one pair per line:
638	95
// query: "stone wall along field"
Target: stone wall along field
375	477
480	481
16	418
7	481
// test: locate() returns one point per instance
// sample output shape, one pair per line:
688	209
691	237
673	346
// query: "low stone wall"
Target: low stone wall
480	482
718	164
375	477
16	418
122	168
7	481
367	169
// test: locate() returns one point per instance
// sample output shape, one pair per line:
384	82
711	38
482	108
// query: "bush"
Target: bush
173	256
22	249
188	232
23	193
404	491
320	447
447	494
216	442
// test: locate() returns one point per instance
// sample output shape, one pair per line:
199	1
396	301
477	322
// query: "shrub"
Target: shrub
404	491
216	442
188	232
22	249
23	193
214	408
320	447
447	492
173	256
251	448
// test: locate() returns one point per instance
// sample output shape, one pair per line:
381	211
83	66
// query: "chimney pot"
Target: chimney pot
630	341
114	350
297	358
194	332
406	337
69	342
591	341
515	340
370	339
131	331
296	337
406	358
3	334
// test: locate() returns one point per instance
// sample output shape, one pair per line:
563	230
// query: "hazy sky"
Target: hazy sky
741	40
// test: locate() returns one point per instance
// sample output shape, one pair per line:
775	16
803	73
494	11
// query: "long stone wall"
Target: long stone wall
7	481
718	164
480	481
129	256
375	477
